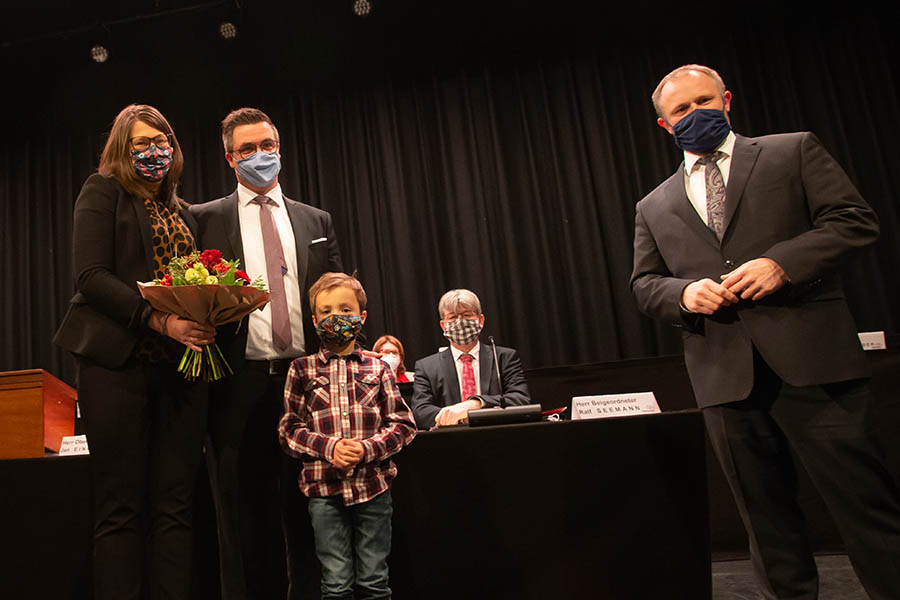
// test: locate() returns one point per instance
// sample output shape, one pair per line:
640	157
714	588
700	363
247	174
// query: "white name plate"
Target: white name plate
74	444
613	405
872	340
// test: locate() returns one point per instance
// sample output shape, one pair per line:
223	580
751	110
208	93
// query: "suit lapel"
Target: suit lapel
677	198
452	393
233	227
301	239
486	368
143	219
742	162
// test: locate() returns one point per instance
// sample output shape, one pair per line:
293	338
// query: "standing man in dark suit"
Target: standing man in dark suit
290	244
739	248
446	386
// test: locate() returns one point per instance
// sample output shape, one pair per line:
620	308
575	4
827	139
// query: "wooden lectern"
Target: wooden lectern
36	411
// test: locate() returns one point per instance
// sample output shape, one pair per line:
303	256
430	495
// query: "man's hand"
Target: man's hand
455	413
347	454
706	297
755	279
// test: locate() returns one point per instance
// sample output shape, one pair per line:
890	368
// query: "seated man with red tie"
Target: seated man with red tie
450	383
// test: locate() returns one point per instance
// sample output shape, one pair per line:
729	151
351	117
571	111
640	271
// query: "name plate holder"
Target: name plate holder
613	405
73	445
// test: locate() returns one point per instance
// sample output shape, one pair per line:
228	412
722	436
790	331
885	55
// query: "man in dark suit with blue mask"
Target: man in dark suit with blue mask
739	248
290	244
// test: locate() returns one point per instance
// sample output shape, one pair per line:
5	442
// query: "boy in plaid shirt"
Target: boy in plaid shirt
343	417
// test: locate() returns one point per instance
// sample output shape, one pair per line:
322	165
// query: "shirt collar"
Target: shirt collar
326	355
457	352
726	147
246	195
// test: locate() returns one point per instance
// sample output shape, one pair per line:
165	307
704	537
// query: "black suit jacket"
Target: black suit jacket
220	228
788	200
436	384
112	249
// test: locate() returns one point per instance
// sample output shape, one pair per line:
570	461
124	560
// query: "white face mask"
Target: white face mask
392	360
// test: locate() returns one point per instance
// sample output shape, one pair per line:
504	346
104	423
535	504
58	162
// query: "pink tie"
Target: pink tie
468	377
276	268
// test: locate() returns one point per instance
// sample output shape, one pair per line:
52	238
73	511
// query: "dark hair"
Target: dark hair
387	338
243	116
116	160
329	281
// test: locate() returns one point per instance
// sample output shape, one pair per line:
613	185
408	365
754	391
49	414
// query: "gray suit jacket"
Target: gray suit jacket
436	384
220	229
788	200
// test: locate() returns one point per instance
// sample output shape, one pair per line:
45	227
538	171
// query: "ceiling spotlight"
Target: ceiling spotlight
227	30
362	8
99	54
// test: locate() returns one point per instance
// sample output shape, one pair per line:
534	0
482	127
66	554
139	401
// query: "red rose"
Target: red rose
210	258
238	274
222	267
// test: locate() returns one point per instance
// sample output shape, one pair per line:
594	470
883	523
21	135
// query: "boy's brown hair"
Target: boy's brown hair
329	281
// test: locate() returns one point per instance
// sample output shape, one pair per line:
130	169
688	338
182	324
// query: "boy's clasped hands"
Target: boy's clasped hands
347	454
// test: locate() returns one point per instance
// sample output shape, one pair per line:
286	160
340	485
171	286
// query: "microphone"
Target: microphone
503	415
497	368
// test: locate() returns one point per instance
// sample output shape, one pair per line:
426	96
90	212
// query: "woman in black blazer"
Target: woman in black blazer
144	423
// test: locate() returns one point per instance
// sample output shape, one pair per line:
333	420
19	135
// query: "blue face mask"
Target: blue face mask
260	170
701	131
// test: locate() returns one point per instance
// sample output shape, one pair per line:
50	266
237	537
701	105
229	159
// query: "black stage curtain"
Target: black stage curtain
510	172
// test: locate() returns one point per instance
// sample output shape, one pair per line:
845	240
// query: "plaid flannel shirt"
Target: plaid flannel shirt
328	397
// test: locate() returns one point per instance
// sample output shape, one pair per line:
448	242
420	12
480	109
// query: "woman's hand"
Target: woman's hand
190	333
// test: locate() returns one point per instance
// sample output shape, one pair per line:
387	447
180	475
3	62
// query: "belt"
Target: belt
275	366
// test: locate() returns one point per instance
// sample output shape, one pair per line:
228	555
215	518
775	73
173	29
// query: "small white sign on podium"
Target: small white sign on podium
74	444
613	405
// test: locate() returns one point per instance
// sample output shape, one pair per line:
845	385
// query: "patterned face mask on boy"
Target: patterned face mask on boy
461	331
339	330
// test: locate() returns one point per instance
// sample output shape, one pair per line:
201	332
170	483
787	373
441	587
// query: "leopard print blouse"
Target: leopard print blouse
171	237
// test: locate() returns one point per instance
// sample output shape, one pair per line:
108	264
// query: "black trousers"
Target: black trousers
260	512
145	427
827	428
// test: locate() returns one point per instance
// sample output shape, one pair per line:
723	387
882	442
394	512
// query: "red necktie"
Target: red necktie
276	268
468	377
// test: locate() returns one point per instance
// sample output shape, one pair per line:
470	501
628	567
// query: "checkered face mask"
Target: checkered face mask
462	332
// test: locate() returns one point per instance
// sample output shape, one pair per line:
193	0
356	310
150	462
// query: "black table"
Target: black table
612	508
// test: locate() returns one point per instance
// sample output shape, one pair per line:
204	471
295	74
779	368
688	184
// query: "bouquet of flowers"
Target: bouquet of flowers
205	288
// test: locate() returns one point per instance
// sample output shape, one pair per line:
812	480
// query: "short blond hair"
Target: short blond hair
329	281
454	299
683	70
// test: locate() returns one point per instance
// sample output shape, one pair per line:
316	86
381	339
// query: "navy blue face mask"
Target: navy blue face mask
701	131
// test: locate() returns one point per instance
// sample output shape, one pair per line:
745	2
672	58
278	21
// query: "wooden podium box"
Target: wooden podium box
36	411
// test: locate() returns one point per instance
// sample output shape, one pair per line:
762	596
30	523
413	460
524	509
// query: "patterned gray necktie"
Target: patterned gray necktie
715	193
276	268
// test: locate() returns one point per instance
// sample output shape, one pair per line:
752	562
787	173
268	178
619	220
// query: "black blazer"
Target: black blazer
788	200
436	384
220	228
112	249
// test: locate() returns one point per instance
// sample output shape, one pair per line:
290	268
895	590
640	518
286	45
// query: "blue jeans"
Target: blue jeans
353	543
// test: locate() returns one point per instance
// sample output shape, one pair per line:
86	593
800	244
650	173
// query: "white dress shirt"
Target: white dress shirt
695	175
259	322
456	352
